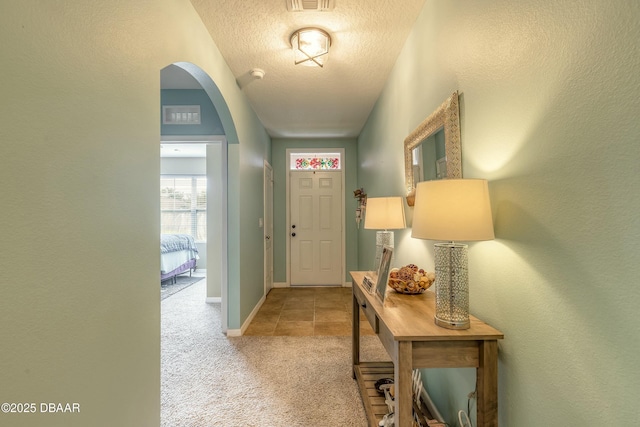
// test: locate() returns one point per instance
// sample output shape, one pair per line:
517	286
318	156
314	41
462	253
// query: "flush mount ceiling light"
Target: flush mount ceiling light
311	46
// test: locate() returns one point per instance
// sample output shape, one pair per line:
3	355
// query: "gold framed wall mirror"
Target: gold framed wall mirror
432	150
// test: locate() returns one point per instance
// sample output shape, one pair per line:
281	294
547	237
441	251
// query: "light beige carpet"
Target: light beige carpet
211	380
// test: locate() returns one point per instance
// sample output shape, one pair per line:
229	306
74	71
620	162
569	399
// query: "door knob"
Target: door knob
293	234
293	226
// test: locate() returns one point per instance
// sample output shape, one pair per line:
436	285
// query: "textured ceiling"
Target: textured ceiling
299	101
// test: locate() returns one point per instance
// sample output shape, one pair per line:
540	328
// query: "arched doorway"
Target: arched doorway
187	76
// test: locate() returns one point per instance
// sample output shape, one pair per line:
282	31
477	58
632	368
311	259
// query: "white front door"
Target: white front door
268	228
315	231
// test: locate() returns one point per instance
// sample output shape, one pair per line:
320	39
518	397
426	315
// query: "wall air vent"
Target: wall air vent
180	114
310	5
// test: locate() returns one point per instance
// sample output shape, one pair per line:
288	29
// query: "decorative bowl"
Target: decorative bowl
410	279
410	286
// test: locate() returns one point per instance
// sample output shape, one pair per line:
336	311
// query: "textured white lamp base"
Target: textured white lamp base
452	286
383	238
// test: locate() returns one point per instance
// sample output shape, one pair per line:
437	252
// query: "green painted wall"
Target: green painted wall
79	145
549	115
252	154
280	232
215	212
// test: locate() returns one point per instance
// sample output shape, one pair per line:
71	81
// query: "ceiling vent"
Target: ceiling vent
310	5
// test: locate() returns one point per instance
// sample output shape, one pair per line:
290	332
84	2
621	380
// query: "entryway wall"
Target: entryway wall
280	231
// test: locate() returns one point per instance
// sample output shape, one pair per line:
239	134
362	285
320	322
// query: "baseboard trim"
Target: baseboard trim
213	300
286	285
245	325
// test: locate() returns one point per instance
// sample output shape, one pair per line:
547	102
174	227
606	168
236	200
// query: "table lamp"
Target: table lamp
452	210
384	213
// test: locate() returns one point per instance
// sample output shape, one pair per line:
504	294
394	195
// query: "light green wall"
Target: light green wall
253	153
79	146
216	246
280	232
233	246
549	111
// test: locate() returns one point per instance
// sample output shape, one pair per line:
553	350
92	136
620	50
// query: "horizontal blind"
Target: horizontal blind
183	205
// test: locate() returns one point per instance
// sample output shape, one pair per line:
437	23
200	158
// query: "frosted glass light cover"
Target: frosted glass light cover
310	46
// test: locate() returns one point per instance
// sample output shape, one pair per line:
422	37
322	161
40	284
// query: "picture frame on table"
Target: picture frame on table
383	272
367	283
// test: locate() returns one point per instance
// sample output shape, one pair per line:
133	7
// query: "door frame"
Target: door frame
217	185
266	225
288	206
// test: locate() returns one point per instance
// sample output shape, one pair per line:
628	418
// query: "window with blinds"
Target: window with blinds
183	205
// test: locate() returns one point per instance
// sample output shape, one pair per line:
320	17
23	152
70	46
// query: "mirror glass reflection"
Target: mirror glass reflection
430	159
433	149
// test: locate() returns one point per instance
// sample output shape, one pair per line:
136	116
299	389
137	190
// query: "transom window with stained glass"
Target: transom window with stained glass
315	161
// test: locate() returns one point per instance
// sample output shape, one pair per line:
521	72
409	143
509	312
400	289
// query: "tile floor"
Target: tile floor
308	311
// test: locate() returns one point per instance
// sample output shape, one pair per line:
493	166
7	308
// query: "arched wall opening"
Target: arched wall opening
222	234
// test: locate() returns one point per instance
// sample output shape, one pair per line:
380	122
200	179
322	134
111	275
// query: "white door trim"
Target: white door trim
224	238
288	203
217	190
267	216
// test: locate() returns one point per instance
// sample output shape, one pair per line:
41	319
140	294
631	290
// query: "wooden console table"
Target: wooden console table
405	326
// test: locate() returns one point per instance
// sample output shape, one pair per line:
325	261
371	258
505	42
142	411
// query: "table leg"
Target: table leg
487	377
355	333
404	394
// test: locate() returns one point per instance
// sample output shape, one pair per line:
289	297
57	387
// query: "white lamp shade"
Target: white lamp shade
453	210
384	213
